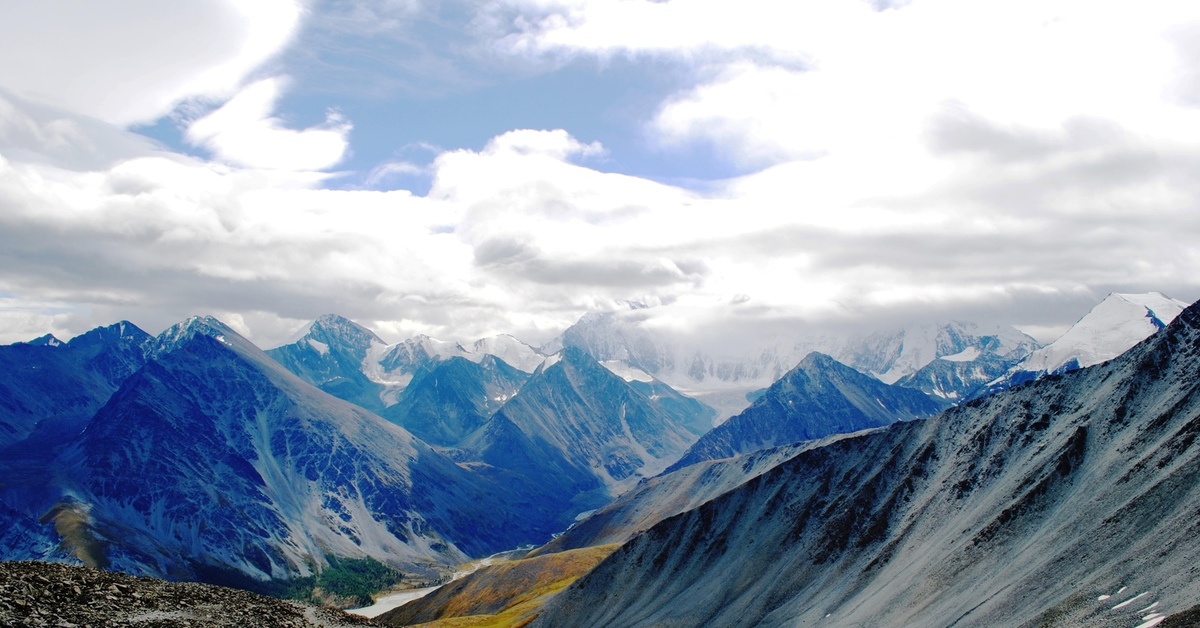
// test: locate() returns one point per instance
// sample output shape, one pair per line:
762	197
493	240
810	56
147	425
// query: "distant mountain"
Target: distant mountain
601	428
509	349
445	404
895	355
330	356
1067	502
52	388
958	377
213	462
1119	322
350	362
950	360
819	397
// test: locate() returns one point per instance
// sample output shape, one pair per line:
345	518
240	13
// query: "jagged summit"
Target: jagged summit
122	332
189	328
337	327
47	340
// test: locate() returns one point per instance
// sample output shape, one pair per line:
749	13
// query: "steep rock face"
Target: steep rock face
58	386
599	424
330	356
1034	505
213	458
819	397
445	404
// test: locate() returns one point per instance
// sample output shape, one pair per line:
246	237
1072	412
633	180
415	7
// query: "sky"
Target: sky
462	169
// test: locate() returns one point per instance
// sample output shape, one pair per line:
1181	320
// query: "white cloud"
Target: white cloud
133	61
943	157
244	132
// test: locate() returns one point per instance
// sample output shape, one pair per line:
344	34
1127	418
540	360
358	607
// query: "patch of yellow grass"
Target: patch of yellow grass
522	586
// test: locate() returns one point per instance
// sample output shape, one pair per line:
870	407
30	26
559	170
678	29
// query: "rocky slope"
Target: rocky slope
669	494
43	594
1067	502
50	389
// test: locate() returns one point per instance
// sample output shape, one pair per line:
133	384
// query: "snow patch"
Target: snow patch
966	355
551	361
318	346
627	372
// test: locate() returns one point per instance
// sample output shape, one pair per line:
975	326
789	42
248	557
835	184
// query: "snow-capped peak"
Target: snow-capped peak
47	340
1111	328
181	332
509	349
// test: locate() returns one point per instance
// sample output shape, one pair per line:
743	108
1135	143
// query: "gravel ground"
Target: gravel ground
46	594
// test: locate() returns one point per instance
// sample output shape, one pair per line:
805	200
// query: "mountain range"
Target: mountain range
213	458
195	455
1070	501
818	398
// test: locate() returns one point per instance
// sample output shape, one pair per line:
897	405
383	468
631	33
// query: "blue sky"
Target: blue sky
402	111
469	168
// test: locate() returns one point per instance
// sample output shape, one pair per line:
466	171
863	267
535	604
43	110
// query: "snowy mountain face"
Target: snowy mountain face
1067	502
213	459
818	398
1119	322
894	355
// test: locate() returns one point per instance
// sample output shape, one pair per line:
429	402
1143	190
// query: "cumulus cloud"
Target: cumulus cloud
130	61
244	132
993	161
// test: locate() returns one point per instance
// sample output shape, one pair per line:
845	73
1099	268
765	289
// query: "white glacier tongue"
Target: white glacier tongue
1111	328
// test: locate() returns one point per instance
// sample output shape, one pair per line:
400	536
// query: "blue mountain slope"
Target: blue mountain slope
819	397
330	356
213	459
448	401
56	387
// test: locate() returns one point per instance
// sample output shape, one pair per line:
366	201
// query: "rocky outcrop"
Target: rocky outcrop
44	594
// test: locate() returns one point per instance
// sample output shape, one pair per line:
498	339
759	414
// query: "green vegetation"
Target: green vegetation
345	582
356	578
